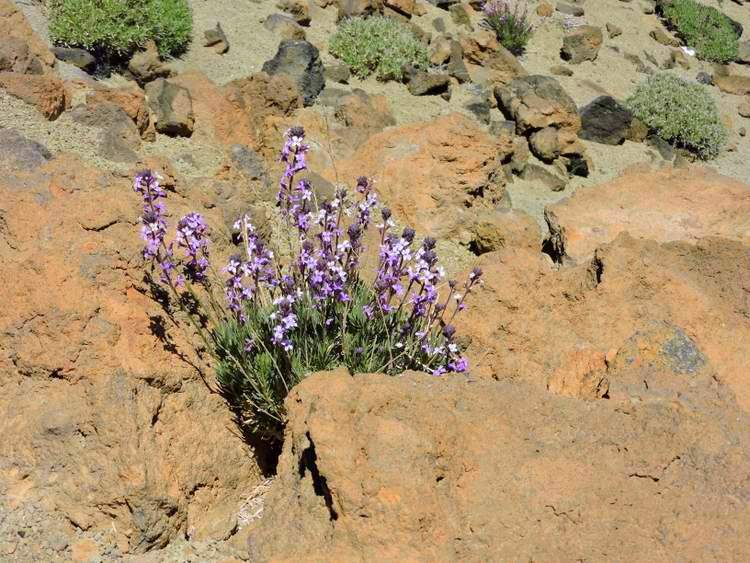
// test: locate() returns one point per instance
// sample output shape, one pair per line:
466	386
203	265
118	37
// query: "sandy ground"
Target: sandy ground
252	44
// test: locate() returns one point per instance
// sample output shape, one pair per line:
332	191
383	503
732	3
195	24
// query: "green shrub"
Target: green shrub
681	113
704	28
116	28
378	45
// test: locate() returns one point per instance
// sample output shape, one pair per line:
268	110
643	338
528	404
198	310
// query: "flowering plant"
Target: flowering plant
312	309
509	20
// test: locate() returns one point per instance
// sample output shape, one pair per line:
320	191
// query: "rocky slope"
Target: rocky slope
606	411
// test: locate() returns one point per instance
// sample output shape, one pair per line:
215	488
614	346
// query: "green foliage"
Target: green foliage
257	383
378	45
681	113
704	28
116	28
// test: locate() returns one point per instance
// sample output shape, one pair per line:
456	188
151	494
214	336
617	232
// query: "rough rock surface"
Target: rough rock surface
97	408
44	92
13	25
668	205
300	61
546	114
172	107
433	175
605	120
456	468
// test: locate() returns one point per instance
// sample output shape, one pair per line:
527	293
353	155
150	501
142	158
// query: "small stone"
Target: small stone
743	52
300	60
613	30
423	83
647	9
744	108
544	9
536	173
172	107
582	44
298	9
741	132
545	144
561	70
146	65
460	15
639	65
704	78
480	108
217	39
661	36
570	9
439	25
677	57
606	121
77	57
338	72
441	50
456	66
733	84
405	7
285	27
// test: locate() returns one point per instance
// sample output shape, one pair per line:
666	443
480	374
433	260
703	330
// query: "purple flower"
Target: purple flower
192	233
154	229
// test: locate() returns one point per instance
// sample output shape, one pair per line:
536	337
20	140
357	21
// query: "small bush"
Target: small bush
305	304
704	28
681	113
378	45
113	29
509	20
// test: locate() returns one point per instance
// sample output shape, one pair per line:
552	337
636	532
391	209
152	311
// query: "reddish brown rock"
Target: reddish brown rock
668	205
131	99
45	92
479	46
13	26
452	469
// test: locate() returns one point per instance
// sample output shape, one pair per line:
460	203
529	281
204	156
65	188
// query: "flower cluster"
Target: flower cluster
191	236
509	19
288	314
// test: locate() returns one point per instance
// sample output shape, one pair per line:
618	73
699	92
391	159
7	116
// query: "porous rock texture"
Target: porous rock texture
108	431
417	468
668	205
436	175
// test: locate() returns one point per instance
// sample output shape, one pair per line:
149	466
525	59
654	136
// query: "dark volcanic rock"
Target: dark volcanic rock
605	120
300	61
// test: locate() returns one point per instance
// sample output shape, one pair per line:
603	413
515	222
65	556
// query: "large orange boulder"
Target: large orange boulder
668	205
435	176
420	468
109	431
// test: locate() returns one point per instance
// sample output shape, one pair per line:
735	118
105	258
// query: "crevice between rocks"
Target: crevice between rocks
308	462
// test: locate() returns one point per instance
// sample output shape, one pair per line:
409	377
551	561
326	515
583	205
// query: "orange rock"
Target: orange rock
13	24
435	175
668	205
45	92
131	99
583	375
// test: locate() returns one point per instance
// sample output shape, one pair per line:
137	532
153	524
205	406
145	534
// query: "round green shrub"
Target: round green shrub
704	28
378	45
681	113
116	28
